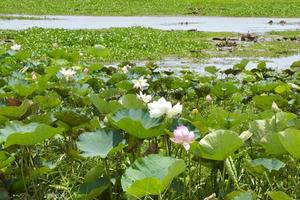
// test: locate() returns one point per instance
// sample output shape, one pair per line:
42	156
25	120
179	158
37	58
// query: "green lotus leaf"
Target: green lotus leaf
105	107
138	123
241	195
279	195
5	160
269	164
224	89
220	144
151	175
266	132
290	139
92	189
99	143
131	101
15	112
29	134
72	118
264	102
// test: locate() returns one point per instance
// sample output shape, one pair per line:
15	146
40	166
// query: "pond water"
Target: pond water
177	64
209	24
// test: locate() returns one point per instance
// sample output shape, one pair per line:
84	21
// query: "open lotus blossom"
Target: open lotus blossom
175	110
144	97
182	135
161	107
67	73
126	68
140	83
16	47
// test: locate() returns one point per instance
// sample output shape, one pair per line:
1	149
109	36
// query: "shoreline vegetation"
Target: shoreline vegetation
267	8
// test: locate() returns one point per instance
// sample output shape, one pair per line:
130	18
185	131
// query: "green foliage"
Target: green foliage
99	143
29	134
220	144
267	8
87	135
138	123
151	175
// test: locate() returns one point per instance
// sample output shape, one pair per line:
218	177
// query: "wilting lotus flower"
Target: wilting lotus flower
67	73
141	83
183	136
16	47
161	107
275	107
208	98
144	97
126	68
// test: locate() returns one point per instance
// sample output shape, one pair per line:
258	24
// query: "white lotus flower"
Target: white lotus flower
67	73
161	107
140	83
175	110
126	68
144	97
16	47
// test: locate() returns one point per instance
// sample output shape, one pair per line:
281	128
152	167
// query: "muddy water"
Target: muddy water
209	24
177	64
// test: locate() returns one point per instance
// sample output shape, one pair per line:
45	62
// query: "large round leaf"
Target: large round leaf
219	144
92	189
104	107
224	89
29	134
137	122
264	102
151	175
259	165
290	139
15	112
99	143
72	118
264	133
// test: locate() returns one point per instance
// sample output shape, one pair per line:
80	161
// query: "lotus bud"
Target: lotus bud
275	107
86	70
33	76
208	98
105	120
195	111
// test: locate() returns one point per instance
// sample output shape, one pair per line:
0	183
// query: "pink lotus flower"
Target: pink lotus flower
183	136
208	98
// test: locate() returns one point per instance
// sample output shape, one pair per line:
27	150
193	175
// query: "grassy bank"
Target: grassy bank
274	8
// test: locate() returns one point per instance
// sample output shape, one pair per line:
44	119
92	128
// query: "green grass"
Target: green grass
10	17
280	8
131	44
